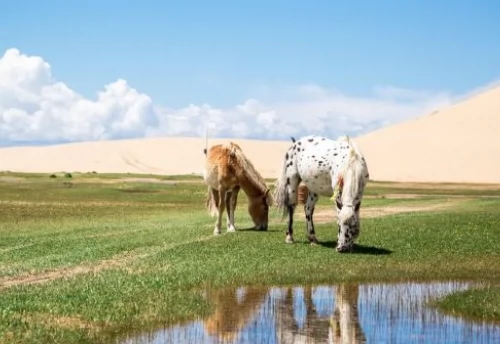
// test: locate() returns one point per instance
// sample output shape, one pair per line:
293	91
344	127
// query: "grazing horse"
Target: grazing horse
326	167
226	171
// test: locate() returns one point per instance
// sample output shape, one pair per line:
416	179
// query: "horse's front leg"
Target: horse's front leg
220	209
292	188
231	208
312	198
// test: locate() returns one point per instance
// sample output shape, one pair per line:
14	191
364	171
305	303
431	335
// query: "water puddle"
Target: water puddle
372	313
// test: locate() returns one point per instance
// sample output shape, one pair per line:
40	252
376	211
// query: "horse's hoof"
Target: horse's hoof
313	241
216	232
231	229
289	239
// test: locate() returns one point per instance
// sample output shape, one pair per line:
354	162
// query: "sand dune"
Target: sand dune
456	144
168	156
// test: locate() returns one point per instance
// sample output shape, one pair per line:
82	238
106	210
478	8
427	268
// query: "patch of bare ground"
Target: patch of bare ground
120	261
57	321
85	203
329	215
10	179
444	186
138	180
394	196
67	272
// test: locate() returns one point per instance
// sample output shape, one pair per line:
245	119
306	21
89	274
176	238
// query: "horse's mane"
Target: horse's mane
353	170
245	168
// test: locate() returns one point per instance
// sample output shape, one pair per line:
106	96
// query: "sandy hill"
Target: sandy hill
169	156
457	144
460	143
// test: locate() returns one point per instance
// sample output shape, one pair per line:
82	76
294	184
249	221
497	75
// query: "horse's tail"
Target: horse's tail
280	193
206	141
210	202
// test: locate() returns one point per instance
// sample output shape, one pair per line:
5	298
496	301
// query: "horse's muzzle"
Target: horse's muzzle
262	227
344	249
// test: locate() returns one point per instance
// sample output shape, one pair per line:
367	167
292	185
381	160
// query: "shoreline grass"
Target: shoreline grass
475	304
134	255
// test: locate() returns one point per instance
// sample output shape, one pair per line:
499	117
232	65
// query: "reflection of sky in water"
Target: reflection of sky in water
386	314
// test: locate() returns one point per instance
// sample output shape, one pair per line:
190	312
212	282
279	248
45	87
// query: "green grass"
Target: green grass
473	304
131	255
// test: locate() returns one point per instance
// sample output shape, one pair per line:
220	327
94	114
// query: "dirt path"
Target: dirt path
117	262
329	215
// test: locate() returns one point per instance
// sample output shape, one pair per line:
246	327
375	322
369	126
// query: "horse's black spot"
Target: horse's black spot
335	154
322	139
293	139
310	140
288	181
298	149
313	156
205	151
290	164
286	156
316	143
315	177
299	143
308	218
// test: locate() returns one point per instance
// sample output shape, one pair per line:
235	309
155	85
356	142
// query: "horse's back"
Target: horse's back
219	164
214	157
315	156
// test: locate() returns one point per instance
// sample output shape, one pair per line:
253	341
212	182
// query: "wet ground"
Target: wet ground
373	313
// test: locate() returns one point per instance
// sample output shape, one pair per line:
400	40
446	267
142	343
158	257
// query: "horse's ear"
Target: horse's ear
267	197
339	205
267	193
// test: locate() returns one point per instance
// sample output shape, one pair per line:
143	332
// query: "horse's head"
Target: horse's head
348	225
258	208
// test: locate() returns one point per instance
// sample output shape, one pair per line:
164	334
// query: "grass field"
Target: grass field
83	258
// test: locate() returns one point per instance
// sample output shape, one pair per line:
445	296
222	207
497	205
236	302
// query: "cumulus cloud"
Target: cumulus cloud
36	107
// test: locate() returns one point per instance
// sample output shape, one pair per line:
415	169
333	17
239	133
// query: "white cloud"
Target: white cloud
35	107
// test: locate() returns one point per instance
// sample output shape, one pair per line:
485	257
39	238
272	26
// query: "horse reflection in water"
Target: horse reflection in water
234	309
345	319
340	327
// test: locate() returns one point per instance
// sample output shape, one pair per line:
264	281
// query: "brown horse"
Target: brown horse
233	311
226	171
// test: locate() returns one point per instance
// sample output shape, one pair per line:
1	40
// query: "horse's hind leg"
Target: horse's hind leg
292	188
220	198
231	201
312	198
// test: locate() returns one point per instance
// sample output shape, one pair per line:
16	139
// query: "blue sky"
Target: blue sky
223	53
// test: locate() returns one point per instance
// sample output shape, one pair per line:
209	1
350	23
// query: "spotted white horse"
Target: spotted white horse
327	167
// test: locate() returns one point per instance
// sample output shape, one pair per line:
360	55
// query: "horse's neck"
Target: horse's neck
251	188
